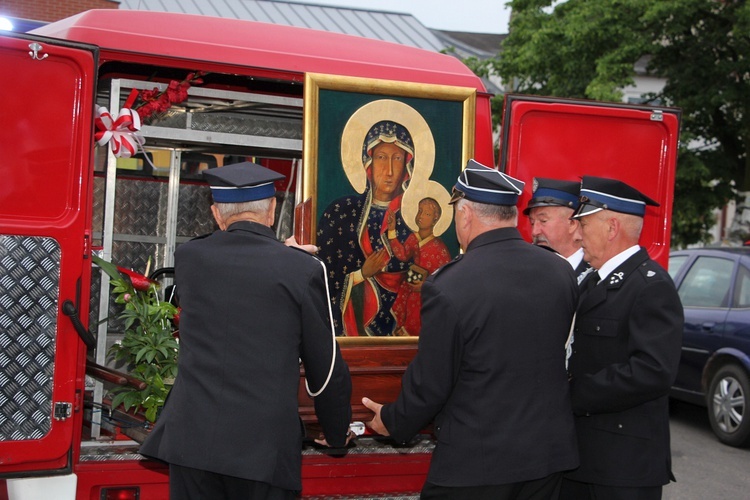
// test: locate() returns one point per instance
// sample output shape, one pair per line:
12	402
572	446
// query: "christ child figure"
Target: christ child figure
427	252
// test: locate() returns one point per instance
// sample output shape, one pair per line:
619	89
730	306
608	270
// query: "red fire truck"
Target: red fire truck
274	94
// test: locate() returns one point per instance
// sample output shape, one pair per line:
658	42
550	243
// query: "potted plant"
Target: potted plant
149	346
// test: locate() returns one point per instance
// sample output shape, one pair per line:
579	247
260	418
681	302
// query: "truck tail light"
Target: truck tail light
121	493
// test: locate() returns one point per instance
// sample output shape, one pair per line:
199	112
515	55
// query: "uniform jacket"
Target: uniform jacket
626	352
251	308
491	365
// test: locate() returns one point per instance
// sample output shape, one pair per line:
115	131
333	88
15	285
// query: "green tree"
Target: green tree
589	48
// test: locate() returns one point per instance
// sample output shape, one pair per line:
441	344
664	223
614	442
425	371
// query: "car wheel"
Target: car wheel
727	402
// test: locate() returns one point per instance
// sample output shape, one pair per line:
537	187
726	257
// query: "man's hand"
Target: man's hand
292	242
324	442
376	424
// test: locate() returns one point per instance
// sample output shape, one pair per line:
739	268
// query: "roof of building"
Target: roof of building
480	45
395	27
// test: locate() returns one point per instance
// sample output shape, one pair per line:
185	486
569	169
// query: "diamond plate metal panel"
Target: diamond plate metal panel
231	123
194	211
29	287
96	283
248	125
98	213
134	255
140	217
141	207
107	453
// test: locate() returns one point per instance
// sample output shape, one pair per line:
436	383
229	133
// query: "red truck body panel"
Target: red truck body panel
45	212
567	138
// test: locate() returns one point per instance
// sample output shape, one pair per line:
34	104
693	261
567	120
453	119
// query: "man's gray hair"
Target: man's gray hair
488	212
259	207
632	224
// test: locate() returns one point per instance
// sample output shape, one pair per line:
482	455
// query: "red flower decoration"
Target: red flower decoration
139	281
156	101
176	317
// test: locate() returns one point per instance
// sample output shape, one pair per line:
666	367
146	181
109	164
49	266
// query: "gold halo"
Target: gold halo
417	192
359	124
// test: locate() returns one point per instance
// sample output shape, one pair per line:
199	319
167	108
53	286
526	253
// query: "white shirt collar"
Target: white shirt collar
615	261
575	259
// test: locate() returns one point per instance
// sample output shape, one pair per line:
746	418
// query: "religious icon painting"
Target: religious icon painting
380	160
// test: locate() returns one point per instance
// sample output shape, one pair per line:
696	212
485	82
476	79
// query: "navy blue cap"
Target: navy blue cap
598	193
486	185
553	192
241	182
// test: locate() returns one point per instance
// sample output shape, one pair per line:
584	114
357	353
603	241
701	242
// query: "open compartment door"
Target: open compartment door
566	139
47	99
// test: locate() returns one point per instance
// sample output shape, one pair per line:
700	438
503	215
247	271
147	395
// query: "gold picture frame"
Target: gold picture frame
339	111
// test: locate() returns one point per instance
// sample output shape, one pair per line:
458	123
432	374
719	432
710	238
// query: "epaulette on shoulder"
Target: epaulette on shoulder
202	236
447	265
650	269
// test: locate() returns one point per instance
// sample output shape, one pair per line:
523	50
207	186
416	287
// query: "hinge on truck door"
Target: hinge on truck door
63	411
657	115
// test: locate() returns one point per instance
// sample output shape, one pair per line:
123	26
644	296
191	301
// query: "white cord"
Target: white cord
333	336
569	341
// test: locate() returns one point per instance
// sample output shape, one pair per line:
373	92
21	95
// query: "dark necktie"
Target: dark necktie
588	284
593	280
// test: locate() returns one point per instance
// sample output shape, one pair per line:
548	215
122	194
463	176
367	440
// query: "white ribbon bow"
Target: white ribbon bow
122	133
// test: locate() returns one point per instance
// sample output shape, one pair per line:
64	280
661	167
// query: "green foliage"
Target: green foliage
693	215
589	49
148	347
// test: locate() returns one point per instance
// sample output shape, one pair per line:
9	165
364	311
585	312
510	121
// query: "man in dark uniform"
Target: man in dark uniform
628	339
490	369
252	308
549	211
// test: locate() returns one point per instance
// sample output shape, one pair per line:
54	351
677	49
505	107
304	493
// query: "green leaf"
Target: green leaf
149	356
132	400
151	413
141	353
107	267
163	351
118	399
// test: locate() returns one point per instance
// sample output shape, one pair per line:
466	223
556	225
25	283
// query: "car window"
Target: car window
742	293
675	264
706	283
